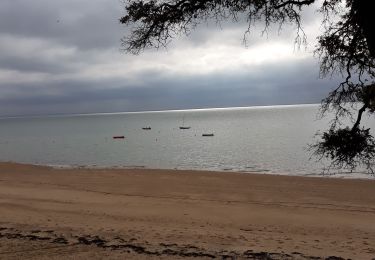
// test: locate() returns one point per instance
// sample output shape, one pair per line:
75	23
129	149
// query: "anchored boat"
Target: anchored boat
183	127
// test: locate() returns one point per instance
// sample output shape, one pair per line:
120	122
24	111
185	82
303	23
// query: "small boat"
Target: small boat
183	127
146	128
207	134
118	137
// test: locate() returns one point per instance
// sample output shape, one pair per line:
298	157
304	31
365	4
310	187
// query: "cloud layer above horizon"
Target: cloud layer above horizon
64	57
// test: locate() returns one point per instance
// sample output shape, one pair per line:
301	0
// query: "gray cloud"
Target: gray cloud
84	24
63	57
160	93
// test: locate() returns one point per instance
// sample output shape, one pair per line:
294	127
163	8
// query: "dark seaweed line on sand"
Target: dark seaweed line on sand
59	241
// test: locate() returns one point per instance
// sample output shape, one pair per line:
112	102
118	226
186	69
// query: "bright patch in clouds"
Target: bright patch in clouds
66	58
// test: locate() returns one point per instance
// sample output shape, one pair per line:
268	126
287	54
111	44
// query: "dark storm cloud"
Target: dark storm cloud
63	57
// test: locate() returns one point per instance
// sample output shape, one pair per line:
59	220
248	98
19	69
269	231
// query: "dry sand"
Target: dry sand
50	213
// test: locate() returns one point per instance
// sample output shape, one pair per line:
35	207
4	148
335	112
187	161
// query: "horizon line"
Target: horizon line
154	111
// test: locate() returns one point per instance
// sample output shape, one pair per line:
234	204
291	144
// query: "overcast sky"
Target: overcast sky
64	57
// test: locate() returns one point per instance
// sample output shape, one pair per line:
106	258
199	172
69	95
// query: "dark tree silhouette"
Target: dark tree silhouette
347	46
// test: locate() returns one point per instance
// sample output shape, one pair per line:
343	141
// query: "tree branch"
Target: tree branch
298	3
359	117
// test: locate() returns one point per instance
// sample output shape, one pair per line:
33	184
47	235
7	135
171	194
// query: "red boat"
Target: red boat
118	137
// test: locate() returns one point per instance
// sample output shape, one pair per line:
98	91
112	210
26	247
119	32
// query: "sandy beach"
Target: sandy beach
49	213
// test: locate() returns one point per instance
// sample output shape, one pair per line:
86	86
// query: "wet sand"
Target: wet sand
51	213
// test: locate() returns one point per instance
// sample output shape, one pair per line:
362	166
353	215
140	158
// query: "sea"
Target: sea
266	140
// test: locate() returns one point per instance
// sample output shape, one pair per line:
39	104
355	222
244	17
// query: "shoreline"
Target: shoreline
173	214
343	176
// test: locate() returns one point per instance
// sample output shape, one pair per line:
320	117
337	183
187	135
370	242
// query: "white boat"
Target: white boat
183	127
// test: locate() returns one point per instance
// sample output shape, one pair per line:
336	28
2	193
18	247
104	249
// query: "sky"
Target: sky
62	57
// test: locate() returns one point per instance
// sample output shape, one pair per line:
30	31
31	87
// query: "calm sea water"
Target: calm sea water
257	139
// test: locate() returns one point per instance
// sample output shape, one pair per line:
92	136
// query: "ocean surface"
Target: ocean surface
270	139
